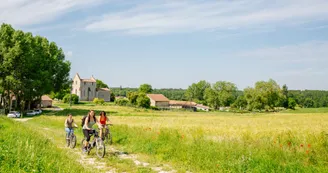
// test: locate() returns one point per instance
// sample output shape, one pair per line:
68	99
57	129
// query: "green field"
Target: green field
186	141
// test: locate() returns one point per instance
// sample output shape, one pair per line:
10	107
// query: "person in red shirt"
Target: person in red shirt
103	119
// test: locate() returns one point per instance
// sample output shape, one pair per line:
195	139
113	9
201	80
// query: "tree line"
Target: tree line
30	66
265	95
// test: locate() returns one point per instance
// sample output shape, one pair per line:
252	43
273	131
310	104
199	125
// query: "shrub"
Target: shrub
122	102
98	101
75	98
291	103
143	101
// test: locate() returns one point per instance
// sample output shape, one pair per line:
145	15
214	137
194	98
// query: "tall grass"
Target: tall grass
23	149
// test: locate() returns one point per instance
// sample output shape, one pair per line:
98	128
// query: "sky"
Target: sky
174	43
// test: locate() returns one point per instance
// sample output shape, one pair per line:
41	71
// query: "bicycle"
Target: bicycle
71	140
107	135
96	142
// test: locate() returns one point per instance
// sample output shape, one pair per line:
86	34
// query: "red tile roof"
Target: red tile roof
158	97
46	98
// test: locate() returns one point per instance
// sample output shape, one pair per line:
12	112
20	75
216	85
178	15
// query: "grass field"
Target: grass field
210	141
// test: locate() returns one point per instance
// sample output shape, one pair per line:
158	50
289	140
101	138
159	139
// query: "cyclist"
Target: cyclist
69	122
87	127
103	119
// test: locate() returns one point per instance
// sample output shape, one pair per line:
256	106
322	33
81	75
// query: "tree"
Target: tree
31	66
143	101
196	91
291	103
265	95
240	103
133	96
145	88
122	102
101	84
284	98
112	97
308	103
222	93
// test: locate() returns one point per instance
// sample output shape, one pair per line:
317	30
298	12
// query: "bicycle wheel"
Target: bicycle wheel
109	139
100	147
72	141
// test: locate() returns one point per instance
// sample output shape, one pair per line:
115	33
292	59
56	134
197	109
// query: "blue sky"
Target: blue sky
171	44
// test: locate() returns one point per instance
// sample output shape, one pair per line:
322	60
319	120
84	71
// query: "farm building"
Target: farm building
158	100
174	104
104	93
46	101
86	89
202	107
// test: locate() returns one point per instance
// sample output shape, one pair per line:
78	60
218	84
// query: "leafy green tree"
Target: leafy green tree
222	93
284	99
240	103
30	66
143	101
101	84
265	95
291	103
196	91
309	103
133	96
145	88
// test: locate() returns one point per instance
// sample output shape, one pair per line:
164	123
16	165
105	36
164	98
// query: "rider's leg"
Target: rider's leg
67	132
101	131
87	137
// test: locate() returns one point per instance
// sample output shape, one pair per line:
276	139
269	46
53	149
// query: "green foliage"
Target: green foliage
30	151
172	94
143	101
265	95
240	103
30	66
133	96
112	97
145	88
291	103
122	102
197	91
101	84
221	94
308	103
98	101
75	98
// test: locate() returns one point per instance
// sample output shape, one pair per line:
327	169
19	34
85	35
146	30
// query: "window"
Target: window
91	83
76	91
75	82
84	83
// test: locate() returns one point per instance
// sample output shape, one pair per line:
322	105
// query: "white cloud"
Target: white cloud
69	54
308	52
168	16
29	12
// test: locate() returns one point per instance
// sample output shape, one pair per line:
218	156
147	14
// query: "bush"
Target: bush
291	103
112	97
75	98
143	101
122	102
98	101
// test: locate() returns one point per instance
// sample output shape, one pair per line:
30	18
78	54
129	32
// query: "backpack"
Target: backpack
83	120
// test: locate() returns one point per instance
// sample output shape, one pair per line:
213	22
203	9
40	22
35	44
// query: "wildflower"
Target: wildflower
158	133
307	151
182	136
289	144
302	145
280	145
309	145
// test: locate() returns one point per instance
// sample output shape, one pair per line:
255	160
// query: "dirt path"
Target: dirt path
99	164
